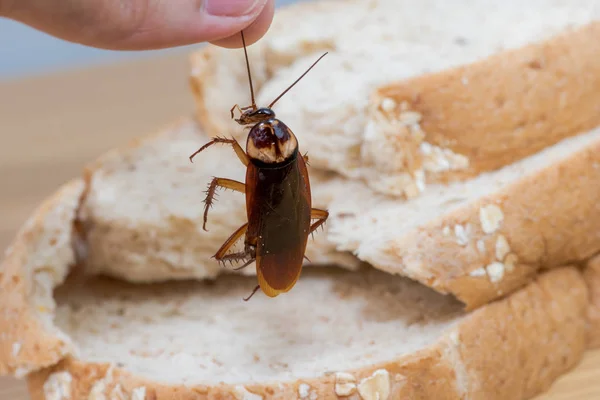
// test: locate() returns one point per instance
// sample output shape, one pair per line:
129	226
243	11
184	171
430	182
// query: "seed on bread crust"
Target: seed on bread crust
491	218
345	384
502	248
376	386
495	271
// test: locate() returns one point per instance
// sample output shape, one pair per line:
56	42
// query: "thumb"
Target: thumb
144	24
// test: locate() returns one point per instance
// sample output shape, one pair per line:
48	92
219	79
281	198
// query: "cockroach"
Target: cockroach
278	197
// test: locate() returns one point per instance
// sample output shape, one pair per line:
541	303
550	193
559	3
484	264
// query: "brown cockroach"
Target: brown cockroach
278	197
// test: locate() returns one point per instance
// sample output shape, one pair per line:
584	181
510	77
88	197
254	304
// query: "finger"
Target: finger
253	32
141	24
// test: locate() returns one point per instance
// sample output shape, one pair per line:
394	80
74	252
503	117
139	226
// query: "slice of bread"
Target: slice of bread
480	117
338	334
464	88
478	239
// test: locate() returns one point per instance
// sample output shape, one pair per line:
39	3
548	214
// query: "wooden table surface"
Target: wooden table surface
51	126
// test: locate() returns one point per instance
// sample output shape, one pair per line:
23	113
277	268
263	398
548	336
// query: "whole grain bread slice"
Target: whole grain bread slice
371	337
409	93
479	117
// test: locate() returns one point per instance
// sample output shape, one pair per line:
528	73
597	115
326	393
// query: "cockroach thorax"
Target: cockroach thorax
271	142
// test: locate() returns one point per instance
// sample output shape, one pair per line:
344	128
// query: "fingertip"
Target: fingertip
253	32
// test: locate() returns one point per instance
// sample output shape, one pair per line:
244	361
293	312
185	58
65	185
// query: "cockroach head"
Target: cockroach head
252	117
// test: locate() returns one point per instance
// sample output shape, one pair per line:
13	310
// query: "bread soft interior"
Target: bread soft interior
203	333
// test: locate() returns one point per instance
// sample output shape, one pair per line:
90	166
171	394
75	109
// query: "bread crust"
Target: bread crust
538	343
34	264
491	113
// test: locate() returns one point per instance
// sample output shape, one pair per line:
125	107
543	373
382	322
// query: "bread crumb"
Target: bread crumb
388	105
502	248
58	386
16	349
464	80
462	237
241	393
481	246
446	231
375	387
491	217
478	272
345	384
510	262
495	271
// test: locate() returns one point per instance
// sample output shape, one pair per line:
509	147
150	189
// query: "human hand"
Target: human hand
145	24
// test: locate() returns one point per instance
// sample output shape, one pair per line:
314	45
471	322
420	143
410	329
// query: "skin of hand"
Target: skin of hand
145	24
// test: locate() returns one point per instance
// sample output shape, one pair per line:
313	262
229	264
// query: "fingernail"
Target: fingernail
230	8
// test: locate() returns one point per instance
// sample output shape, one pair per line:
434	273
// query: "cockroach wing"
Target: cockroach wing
279	205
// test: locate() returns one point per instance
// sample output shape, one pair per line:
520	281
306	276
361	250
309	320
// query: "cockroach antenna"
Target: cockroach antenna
249	74
297	80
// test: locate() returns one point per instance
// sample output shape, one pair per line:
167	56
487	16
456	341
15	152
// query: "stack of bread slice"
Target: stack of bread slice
457	149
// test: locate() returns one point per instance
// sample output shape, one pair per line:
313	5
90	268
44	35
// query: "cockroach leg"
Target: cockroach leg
305	157
210	193
236	147
235	236
321	215
252	294
241	255
250	261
